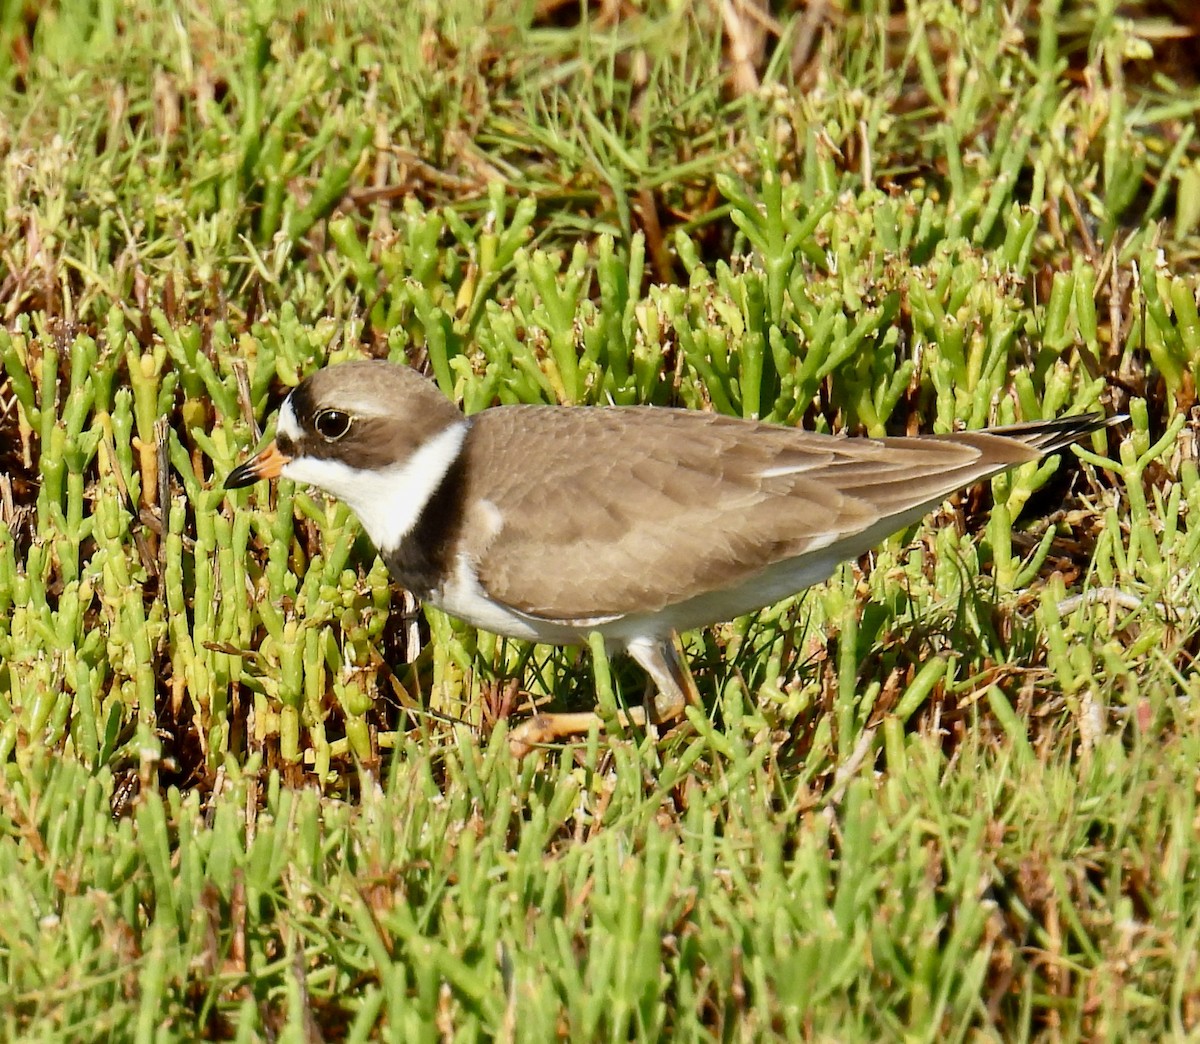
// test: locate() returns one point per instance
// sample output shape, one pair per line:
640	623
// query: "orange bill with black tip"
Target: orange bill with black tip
266	465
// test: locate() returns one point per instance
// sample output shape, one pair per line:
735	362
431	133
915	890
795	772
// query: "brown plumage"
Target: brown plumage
549	523
641	508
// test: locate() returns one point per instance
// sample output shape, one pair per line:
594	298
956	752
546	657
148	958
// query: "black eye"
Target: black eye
332	424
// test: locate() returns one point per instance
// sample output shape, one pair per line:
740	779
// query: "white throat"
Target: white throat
388	501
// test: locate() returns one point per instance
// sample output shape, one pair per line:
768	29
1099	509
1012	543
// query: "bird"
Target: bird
552	523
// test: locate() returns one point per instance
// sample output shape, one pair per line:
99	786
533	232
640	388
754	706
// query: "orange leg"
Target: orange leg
669	675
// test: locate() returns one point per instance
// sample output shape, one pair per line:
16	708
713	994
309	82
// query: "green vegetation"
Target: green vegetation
244	793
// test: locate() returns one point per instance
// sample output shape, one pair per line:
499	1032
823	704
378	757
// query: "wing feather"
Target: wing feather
636	509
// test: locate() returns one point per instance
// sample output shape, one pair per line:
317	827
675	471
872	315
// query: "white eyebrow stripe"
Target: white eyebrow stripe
287	425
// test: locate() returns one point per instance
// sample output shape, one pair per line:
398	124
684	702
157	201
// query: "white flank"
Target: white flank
388	501
461	595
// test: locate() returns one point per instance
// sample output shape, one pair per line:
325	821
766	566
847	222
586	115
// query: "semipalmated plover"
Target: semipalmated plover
548	523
